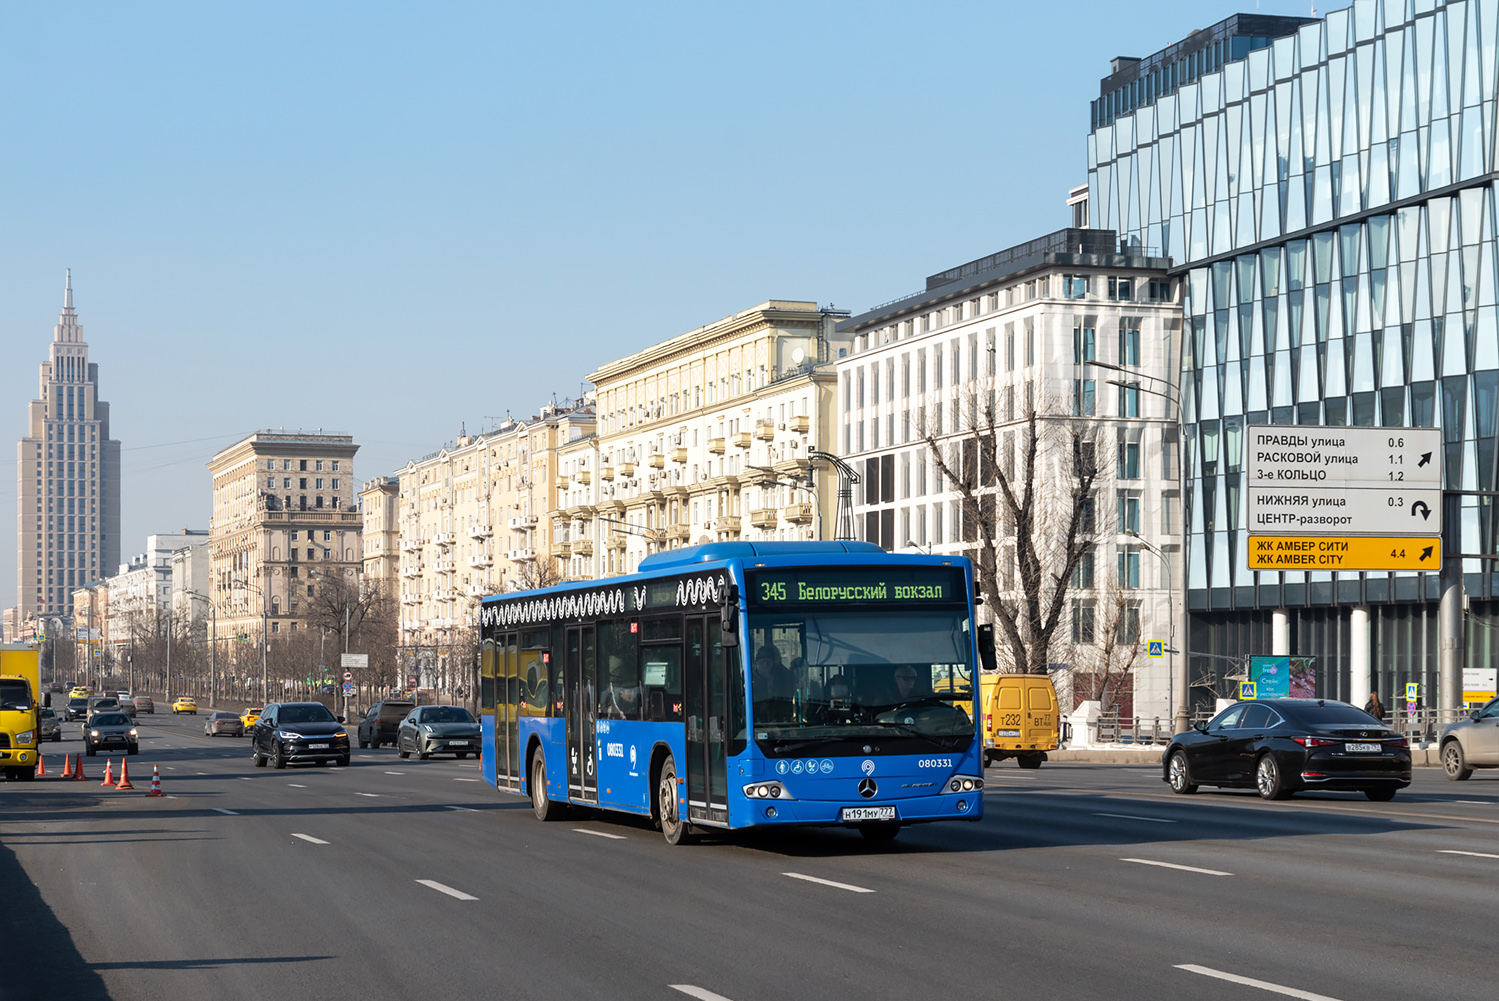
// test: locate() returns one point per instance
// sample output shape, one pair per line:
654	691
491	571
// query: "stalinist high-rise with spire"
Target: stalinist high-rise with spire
67	480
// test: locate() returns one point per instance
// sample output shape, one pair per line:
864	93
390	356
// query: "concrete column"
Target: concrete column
1450	639
1358	657
1280	633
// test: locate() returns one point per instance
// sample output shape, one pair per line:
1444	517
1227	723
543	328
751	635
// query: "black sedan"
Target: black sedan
1282	746
290	732
222	722
110	729
75	709
432	730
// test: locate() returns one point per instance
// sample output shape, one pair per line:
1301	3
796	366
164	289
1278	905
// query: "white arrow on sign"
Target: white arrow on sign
1304	510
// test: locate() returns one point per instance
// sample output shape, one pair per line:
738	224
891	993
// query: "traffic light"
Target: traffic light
243	637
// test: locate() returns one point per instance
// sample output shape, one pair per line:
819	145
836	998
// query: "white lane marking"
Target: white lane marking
1454	851
1475	802
246	778
1130	816
294	785
461	809
1264	985
169	768
828	882
468	780
227	813
309	837
395	773
1173	865
202	773
446	889
371	795
601	834
697	992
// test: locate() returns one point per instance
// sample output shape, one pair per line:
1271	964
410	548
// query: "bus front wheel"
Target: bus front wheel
543	807
673	826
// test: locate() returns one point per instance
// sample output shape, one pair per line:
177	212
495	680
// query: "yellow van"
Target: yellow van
1021	720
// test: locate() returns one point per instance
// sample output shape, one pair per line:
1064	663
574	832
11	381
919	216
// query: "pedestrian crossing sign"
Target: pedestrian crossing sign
1155	648
1247	689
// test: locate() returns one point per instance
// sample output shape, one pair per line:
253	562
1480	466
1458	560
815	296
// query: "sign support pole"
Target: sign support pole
1450	615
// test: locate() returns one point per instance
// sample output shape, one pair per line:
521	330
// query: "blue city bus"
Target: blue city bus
742	684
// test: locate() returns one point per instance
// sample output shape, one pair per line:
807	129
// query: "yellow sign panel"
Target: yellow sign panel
1354	552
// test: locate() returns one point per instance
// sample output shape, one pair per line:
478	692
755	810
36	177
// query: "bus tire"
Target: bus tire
543	807
674	828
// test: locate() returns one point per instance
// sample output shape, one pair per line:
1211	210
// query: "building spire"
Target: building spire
67	295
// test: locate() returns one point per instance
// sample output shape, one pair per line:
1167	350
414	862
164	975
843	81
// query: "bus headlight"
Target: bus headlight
964	783
766	790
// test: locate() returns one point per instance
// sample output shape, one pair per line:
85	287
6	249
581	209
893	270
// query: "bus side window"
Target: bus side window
619	672
486	676
661	677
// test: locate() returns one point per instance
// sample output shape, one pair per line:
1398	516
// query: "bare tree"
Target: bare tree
368	611
1106	643
540	572
1025	488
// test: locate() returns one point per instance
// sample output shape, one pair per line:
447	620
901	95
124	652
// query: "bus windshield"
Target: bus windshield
862	682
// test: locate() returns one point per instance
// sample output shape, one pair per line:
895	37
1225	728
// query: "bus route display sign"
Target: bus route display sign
1343	498
856	587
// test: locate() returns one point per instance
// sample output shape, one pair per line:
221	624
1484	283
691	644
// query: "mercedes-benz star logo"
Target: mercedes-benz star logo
867	788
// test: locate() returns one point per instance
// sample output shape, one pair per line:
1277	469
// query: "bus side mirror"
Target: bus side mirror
729	618
986	647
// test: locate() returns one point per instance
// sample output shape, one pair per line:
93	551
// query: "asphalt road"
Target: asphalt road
397	879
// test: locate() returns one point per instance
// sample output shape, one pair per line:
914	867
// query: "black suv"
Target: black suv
77	708
298	731
383	721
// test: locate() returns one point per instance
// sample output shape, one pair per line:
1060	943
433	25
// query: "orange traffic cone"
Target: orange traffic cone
124	775
67	766
78	775
41	767
109	778
155	782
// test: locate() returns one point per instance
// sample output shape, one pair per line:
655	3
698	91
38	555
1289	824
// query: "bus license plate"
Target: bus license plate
1362	748
856	814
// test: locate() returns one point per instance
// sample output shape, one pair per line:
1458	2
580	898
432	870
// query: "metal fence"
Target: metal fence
1111	728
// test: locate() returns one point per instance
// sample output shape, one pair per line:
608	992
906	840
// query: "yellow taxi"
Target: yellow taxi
185	705
249	716
78	692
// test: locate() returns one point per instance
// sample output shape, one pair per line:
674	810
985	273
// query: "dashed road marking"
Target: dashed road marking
1264	985
1173	865
1130	816
395	773
440	888
309	837
1454	851
227	813
697	992
461	809
468	780
828	882
371	795
296	785
601	834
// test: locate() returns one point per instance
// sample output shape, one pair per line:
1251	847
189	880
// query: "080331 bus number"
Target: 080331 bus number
935	763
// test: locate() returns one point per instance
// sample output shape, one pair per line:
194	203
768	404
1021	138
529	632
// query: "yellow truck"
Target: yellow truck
20	695
1021	720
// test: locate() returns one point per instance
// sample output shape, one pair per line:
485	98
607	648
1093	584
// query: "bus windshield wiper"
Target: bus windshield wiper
913	731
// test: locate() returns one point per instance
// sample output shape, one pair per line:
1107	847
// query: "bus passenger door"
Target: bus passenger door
706	711
588	713
582	712
572	676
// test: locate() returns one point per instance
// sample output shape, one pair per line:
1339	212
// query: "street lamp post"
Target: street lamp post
213	639
1171	604
265	683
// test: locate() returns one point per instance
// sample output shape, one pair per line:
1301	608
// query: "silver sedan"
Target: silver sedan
1471	743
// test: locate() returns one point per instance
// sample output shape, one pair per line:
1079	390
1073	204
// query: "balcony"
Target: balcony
798	513
563	550
583	477
728	523
607	473
480	531
583	547
522	555
801	424
743	439
679	455
765	431
444	538
411	572
477	590
562	482
411	545
657	461
522	521
411	599
616	540
716	445
480	560
677	533
443	566
764	517
446	594
627	469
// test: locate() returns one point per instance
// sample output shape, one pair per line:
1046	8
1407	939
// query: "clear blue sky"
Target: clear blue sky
389	219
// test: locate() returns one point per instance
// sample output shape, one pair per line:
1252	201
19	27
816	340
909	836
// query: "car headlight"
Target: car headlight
25	737
341	735
287	735
93	733
133	733
425	728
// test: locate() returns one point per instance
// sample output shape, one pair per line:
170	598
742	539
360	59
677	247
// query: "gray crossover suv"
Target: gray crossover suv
1471	743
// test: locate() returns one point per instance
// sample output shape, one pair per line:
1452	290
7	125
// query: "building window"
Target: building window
1129	343
1129	624
1129	460
1082	574
1122	289
318	466
1129	568
1074	286
1082	397
335	465
1030	341
1129	400
319	483
1082	621
1129	514
302	467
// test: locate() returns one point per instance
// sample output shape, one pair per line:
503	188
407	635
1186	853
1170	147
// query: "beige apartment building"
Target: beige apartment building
382	531
706	437
476	519
283	514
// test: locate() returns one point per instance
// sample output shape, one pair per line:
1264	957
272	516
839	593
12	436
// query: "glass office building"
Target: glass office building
1327	189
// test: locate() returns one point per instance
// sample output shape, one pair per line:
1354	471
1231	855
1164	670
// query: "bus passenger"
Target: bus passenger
770	677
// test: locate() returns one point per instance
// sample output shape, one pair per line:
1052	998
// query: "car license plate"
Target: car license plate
1006	733
855	814
316	747
1362	748
457	743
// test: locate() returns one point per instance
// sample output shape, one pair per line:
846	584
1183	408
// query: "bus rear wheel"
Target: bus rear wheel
543	807
673	827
